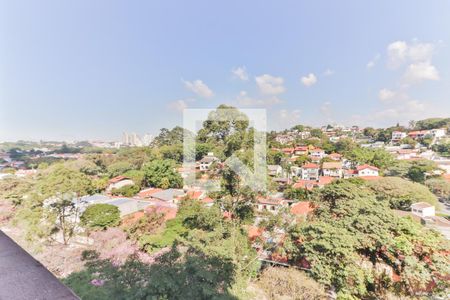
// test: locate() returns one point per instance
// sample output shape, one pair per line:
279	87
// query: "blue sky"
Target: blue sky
93	69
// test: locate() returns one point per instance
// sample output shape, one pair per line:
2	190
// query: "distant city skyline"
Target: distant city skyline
92	70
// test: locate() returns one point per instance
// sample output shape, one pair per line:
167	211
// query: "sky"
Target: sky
76	70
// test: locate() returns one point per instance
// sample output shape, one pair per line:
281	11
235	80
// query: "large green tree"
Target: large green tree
100	216
162	174
352	235
401	193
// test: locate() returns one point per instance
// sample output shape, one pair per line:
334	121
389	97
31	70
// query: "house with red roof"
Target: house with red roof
333	169
288	151
335	156
147	193
271	204
350	173
418	134
311	184
302	208
118	182
310	171
367	170
317	153
301	150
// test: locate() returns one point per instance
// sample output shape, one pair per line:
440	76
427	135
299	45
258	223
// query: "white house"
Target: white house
438	132
398	135
301	150
423	209
366	170
271	204
310	171
317	153
332	169
207	161
274	170
118	182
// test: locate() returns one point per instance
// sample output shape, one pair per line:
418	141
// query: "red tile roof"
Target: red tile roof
287	150
324	180
359	168
148	192
207	200
301	148
301	208
351	172
195	194
168	211
271	201
305	184
446	177
117	179
311	166
254	232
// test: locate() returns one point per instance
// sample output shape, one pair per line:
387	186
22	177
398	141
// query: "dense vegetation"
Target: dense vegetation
354	242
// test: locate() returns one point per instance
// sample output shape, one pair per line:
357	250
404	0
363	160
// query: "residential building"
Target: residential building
349	173
206	162
147	193
406	154
302	208
418	134
423	209
311	184
335	156
118	182
439	132
398	136
127	205
367	170
169	195
317	153
272	204
288	151
304	135
310	171
274	170
301	150
284	139
332	169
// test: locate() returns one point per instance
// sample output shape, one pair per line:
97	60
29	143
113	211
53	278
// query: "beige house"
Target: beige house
333	169
118	182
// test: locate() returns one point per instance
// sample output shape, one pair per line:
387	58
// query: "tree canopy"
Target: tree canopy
100	216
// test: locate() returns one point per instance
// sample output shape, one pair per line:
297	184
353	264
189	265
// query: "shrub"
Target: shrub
101	216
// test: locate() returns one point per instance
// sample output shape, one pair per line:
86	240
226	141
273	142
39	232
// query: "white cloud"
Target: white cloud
417	57
397	53
373	62
240	72
401	112
420	71
328	72
243	99
269	84
288	118
178	105
326	109
421	51
199	87
309	80
386	94
400	52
